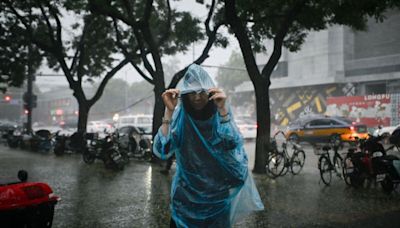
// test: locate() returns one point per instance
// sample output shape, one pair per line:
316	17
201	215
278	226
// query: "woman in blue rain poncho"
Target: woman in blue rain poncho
212	186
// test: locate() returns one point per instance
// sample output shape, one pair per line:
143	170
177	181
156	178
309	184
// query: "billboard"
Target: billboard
372	110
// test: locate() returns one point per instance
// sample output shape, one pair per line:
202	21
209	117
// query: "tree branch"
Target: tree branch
82	49
45	47
207	22
129	8
147	11
143	52
111	12
129	55
28	29
54	14
49	27
204	55
148	79
243	39
167	33
211	39
103	83
75	58
280	36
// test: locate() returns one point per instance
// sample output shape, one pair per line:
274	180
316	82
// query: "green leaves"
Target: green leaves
14	55
185	31
98	44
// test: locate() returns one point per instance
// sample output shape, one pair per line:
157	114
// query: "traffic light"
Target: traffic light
25	98
7	98
26	108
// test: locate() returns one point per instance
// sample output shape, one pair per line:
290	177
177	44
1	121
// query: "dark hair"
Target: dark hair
206	113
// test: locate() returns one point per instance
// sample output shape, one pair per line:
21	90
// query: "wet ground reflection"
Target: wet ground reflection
139	196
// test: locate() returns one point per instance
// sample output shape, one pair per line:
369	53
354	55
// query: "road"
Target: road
92	196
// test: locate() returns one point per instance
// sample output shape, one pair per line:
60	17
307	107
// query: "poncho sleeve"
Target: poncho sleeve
164	146
229	133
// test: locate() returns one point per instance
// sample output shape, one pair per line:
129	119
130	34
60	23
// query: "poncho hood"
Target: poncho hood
196	79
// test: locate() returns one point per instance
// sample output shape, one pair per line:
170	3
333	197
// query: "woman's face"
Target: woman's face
198	100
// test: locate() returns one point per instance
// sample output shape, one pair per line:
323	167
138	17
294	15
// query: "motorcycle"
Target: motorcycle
69	144
13	137
371	162
134	143
105	149
41	140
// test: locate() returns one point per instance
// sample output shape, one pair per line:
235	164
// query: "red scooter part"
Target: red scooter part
27	204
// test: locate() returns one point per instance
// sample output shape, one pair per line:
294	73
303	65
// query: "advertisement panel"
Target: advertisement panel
372	110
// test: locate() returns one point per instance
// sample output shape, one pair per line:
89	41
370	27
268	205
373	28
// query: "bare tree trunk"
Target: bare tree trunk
84	109
159	108
263	130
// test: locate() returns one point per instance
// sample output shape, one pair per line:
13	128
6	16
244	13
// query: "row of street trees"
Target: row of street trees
144	31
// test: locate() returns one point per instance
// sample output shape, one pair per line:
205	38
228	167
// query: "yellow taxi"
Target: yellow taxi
317	129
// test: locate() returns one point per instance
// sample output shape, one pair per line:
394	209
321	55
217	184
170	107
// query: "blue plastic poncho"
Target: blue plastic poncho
212	186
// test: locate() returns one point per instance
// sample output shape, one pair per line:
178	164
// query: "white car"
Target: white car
247	128
385	130
142	121
99	126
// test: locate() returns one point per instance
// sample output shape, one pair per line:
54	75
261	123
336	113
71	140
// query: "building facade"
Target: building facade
334	62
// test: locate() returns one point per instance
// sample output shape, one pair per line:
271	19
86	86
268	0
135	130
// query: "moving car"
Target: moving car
247	128
317	129
99	126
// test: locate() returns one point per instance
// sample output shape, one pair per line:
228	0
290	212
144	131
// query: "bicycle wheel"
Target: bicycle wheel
324	166
297	161
286	167
347	170
352	174
338	165
275	164
269	156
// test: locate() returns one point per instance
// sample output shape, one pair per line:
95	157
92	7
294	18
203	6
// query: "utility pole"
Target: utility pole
29	91
126	89
29	96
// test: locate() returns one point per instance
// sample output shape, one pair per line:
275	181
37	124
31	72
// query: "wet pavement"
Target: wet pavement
92	196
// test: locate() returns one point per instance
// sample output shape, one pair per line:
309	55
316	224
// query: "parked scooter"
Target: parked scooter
104	149
41	140
26	204
371	162
13	137
74	143
135	143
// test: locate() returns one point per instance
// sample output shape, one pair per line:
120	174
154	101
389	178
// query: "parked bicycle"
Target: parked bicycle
279	162
328	164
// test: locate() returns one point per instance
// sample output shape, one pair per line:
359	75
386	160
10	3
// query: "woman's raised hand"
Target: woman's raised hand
170	98
218	96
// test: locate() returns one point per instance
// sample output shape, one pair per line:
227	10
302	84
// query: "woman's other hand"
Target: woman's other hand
170	98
